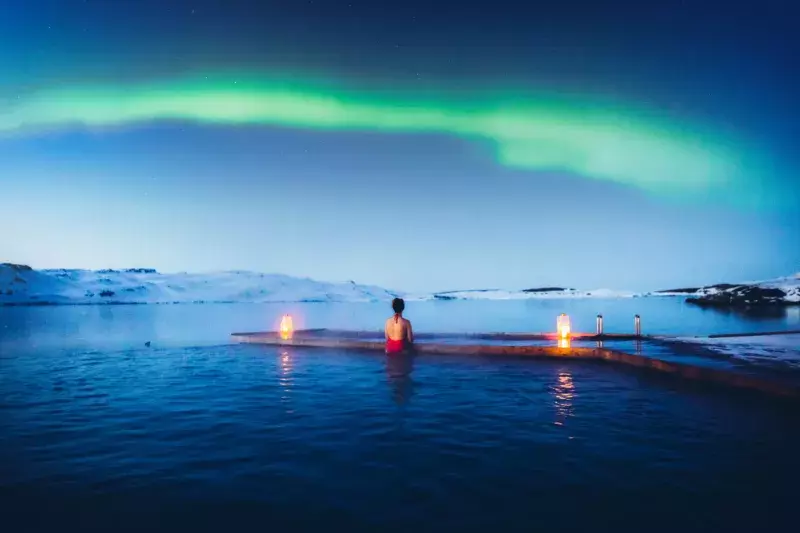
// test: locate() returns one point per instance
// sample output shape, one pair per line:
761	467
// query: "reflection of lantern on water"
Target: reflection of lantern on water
562	326
286	363
286	328
285	379
564	393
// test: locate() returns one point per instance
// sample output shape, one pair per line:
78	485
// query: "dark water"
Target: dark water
99	432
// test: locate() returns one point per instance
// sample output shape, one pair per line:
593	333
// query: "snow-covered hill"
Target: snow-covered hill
19	284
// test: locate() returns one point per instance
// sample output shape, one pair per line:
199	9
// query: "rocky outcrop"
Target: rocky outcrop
776	293
443	297
16	268
547	289
691	290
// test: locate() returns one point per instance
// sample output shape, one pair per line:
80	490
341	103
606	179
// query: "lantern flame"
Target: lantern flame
286	328
562	326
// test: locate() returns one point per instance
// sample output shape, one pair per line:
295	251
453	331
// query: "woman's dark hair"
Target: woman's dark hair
398	305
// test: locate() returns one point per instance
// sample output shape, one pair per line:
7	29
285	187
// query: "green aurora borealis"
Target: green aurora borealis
644	149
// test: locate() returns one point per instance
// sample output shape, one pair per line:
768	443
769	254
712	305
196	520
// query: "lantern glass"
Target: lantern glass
286	328
563	326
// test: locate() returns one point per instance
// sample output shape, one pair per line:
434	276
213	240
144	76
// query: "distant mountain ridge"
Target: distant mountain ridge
22	285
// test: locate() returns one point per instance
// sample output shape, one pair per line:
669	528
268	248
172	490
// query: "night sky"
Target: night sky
415	145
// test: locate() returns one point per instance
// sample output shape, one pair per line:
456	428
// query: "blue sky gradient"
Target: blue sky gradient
408	211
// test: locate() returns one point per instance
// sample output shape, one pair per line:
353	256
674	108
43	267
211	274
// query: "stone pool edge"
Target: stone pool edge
317	339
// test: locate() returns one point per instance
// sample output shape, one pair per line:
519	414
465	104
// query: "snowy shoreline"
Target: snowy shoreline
20	285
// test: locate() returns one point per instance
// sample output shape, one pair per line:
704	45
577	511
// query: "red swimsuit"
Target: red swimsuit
395	346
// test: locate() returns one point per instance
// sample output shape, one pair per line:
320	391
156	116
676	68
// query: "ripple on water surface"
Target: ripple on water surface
317	438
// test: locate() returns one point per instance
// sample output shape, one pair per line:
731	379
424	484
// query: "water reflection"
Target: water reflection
759	313
62	327
285	377
793	316
398	371
564	394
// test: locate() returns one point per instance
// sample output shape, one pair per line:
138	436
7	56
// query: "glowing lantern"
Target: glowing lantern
286	328
564	342
562	326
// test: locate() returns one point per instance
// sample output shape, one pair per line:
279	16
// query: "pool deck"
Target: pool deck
495	344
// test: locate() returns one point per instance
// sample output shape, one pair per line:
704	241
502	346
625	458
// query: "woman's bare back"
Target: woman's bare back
398	329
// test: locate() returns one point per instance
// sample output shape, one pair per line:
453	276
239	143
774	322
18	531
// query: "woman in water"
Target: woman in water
399	334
